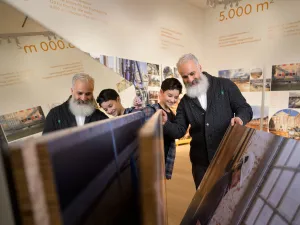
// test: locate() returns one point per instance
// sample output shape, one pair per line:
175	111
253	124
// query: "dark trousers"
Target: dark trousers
198	172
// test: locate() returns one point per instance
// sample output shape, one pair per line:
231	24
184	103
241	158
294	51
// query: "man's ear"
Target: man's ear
161	91
119	99
200	68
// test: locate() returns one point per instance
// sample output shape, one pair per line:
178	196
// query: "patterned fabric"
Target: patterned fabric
149	110
170	159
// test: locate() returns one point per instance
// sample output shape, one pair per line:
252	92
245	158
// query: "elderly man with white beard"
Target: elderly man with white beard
78	110
209	106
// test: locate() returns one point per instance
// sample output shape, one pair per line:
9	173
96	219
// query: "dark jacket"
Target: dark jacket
170	157
60	117
149	111
208	127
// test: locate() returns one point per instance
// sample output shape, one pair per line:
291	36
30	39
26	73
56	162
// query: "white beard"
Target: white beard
198	89
78	108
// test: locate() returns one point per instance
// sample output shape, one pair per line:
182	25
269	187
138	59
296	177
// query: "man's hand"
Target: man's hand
164	117
237	120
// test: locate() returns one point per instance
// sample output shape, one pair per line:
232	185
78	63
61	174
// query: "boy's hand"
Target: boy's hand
164	117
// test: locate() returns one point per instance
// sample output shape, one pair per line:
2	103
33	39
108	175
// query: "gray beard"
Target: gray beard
79	108
198	89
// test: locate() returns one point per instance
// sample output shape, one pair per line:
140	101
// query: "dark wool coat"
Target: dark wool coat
60	117
208	127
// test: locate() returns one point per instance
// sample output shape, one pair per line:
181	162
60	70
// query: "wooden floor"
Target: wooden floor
180	189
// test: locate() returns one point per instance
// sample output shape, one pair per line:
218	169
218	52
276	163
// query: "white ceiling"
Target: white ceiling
198	3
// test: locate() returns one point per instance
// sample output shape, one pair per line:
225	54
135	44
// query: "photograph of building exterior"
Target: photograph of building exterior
154	81
286	123
286	77
225	73
256	73
239	76
242	79
294	100
277	198
153	95
257	85
23	123
136	73
154	75
167	72
255	122
176	73
123	85
133	71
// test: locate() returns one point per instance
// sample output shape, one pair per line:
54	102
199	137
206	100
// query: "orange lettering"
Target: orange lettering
262	5
30	47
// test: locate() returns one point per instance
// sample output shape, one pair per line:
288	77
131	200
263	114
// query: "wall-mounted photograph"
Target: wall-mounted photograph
294	100
242	79
153	75
225	73
239	76
153	95
167	72
286	123
123	85
286	77
136	73
256	73
52	105
133	71
23	123
108	61
176	73
256	120
257	85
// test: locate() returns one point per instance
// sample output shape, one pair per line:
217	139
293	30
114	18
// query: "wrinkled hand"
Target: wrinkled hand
236	120
164	117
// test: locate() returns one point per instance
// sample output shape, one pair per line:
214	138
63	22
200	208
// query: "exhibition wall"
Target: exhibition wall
149	31
259	36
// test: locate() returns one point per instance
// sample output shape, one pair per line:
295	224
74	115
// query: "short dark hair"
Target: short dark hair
171	84
106	95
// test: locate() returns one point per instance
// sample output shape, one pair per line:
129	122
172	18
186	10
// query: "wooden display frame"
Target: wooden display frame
152	172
